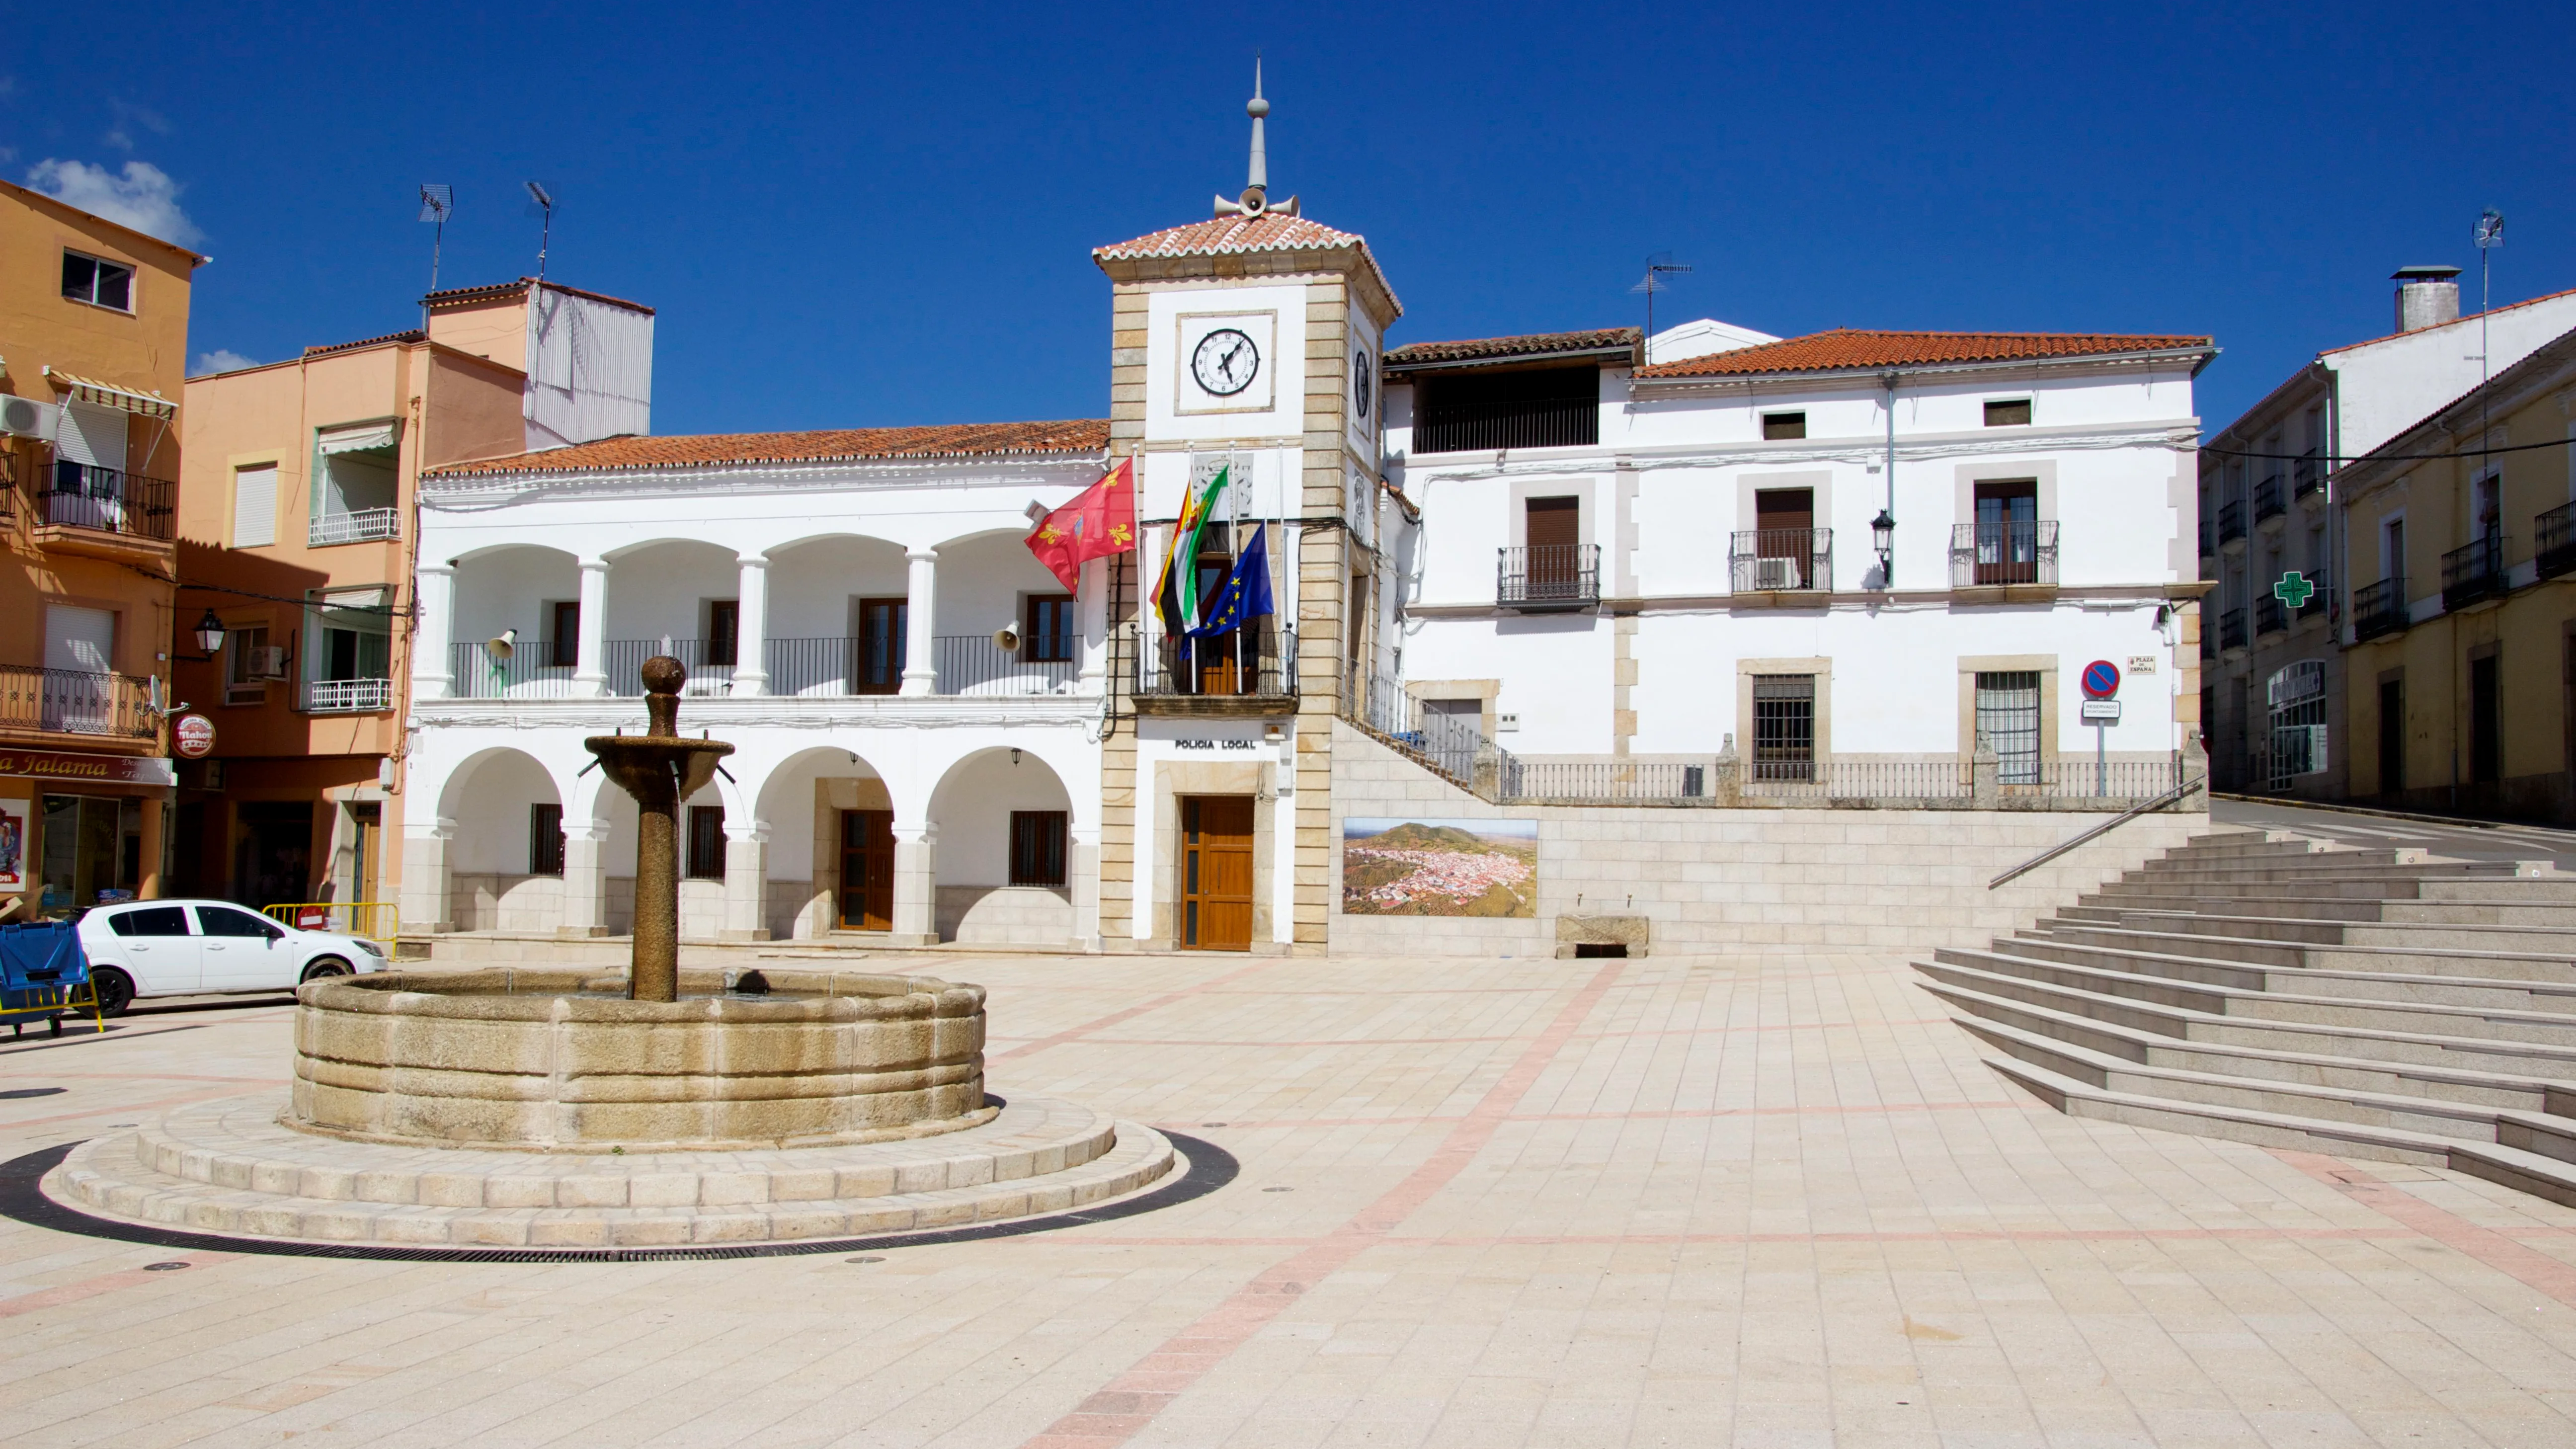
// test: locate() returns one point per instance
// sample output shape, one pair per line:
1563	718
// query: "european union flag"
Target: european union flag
1246	594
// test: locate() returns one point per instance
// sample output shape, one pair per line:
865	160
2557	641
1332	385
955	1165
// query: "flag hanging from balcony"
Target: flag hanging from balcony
1176	598
1100	521
1246	594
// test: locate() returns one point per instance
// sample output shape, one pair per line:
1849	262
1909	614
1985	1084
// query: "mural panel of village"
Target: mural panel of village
1439	867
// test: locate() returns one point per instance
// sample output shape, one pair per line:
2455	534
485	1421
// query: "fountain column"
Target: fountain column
659	769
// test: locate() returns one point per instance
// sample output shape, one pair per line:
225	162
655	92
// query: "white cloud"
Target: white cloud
222	359
142	196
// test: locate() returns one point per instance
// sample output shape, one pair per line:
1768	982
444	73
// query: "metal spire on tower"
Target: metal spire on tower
1255	200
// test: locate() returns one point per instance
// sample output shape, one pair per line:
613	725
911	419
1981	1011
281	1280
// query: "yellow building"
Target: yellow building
2462	672
93	346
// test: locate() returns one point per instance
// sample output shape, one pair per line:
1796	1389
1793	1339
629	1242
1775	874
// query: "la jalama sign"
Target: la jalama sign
98	769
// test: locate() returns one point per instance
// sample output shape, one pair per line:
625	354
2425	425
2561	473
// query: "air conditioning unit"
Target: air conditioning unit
267	662
1775	573
25	417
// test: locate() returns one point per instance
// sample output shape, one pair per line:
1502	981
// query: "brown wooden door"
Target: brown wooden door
867	870
1555	533
882	630
1216	872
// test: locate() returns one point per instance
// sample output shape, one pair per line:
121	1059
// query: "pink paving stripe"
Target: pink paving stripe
1877	1109
2530	1266
183	1099
1130	1401
104	1283
1370	1041
1928	1235
1076	1033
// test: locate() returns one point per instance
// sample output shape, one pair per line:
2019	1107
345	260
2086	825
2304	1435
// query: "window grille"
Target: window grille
1037	847
545	840
1784	727
706	842
2008	723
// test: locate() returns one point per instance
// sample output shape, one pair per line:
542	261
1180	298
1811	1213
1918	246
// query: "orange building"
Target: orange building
93	347
296	541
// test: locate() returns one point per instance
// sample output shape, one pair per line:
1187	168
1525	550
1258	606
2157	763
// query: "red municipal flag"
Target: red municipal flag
1100	521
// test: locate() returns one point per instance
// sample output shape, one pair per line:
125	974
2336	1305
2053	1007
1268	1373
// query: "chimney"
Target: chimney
2426	297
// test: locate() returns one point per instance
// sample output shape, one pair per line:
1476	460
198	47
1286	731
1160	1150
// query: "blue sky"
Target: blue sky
858	215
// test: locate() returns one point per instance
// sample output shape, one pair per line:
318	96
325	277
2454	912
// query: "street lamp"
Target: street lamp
210	634
1882	534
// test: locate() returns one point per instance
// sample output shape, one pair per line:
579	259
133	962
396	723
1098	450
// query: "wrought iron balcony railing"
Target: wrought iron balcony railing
2472	572
2003	553
76	702
365	525
2270	617
2231	629
1248	664
2267	498
1774	560
1548	576
2379	608
2553	537
2322	582
2307	474
109	501
2231	522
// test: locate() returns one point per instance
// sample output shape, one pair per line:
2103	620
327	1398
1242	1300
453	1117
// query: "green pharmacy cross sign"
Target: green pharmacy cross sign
2294	589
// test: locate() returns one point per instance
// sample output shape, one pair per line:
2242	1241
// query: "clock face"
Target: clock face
1363	381
1225	362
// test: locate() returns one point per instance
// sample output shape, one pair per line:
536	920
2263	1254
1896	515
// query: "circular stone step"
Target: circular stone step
227	1166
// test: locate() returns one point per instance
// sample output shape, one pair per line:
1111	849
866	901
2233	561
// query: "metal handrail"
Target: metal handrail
2178	792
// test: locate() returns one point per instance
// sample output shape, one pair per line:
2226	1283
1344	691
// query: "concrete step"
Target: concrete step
2482	1023
2405	960
2394	911
2528	1171
2508	1055
2501	1090
2537	940
2334	868
2427	989
2511	890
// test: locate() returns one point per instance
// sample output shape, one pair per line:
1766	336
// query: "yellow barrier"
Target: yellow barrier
51	1001
375	920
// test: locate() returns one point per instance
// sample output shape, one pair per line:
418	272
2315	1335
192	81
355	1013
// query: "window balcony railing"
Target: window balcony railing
529	672
2231	629
347	696
2268	502
2553	537
2270	616
2231	522
363	526
2379	608
625	661
1548	576
2003	553
2322	582
1466	427
75	702
2307	474
1772	560
966	664
2472	572
1247	664
108	501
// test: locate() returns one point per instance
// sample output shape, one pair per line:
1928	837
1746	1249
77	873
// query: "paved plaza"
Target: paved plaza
1761	1200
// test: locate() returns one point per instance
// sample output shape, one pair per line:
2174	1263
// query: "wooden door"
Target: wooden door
882	630
1216	872
365	820
867	870
1554	529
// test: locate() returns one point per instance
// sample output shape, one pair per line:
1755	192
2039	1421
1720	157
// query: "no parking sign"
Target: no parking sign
2101	679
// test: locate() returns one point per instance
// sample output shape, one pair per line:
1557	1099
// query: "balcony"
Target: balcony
106	513
2270	617
2379	608
2553	537
2473	572
364	526
2323	583
2268	503
826	668
1546	577
1781	560
73	702
1987	554
2307	474
1251	671
347	696
2231	522
2231	629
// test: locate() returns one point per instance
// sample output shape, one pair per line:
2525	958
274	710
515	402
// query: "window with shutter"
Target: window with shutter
255	506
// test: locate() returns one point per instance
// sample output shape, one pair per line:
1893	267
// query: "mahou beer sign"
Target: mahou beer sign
193	736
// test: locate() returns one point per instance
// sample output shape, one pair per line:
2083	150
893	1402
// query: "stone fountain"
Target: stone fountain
577	1108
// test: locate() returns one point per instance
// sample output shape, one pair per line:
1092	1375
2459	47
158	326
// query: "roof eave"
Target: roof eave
2198	357
1623	352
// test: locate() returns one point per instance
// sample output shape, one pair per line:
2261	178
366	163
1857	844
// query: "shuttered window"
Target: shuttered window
255	506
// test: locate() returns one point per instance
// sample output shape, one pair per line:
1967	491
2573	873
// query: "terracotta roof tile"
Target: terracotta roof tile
1851	348
1535	344
1086	435
1243	236
459	296
411	335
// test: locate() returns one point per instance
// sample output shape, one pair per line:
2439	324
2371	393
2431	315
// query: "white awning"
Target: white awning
109	395
358	437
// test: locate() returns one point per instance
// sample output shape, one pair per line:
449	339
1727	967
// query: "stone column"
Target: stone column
751	628
1093	610
434	606
746	907
427	898
585	879
916	885
149	887
590	659
1985	776
920	667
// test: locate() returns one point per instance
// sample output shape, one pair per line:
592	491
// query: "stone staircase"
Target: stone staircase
2266	988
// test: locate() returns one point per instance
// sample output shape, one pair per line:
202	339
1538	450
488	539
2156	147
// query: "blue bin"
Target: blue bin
43	971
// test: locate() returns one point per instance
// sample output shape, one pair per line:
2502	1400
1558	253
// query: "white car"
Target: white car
189	948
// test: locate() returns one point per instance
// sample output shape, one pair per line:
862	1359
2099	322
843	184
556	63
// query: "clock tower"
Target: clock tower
1244	347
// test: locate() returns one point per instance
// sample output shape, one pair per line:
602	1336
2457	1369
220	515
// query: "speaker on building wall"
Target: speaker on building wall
1006	639
503	644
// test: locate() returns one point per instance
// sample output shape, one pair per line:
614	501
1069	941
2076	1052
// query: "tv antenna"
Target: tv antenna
1658	267
437	203
541	202
2489	234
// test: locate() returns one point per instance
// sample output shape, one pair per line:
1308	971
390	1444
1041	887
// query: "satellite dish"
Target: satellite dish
503	644
1006	639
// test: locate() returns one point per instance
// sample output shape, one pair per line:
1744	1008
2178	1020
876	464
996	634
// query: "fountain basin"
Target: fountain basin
561	1061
